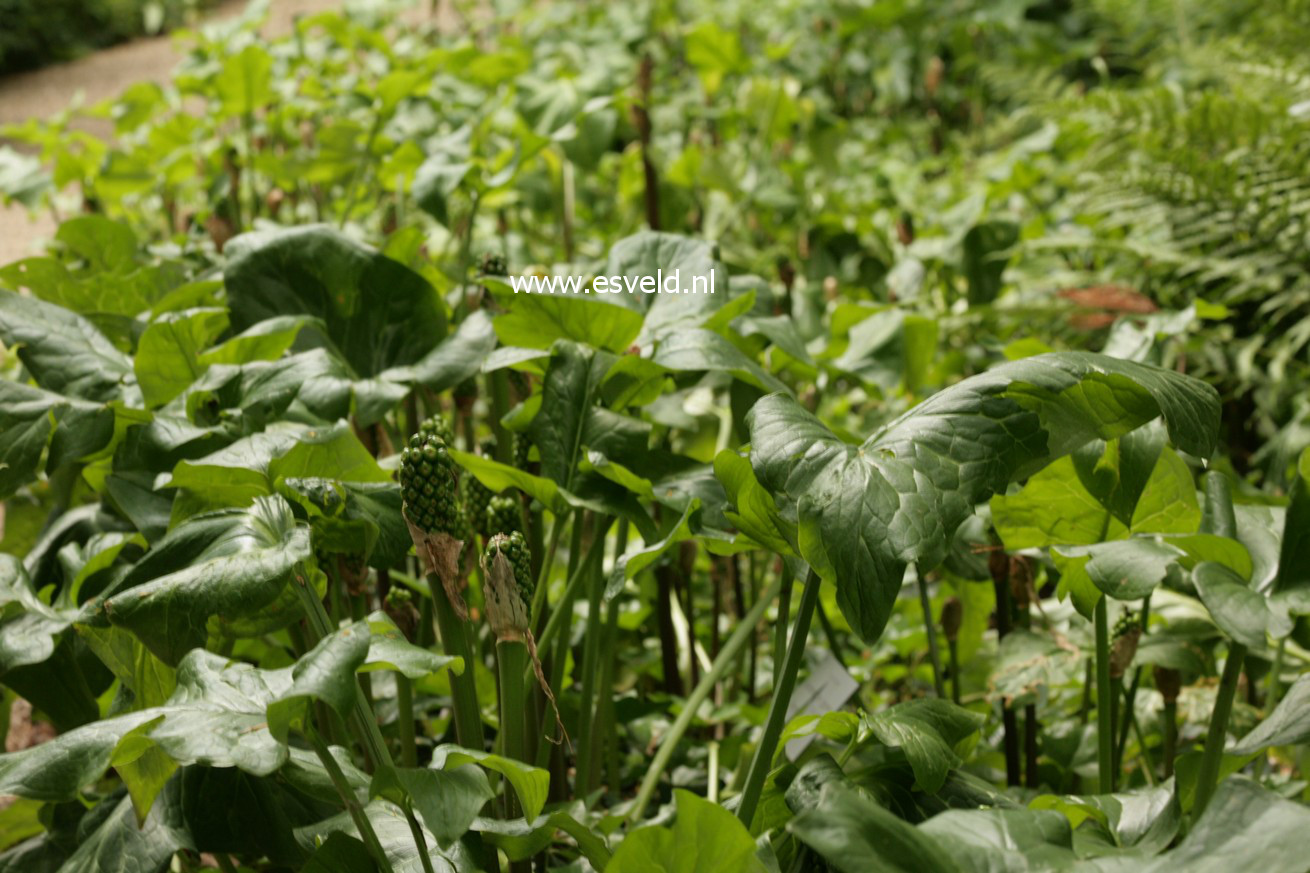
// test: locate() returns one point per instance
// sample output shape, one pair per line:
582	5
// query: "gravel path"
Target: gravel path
97	77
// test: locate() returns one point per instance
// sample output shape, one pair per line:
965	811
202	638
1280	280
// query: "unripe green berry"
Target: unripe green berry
503	515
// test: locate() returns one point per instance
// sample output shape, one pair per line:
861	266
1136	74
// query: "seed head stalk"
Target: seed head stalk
1218	519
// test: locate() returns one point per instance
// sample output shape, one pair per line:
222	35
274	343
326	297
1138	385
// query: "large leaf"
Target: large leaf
377	312
535	321
168	354
927	731
529	783
1287	725
1244	827
704	838
1242	613
242	565
64	352
856	835
1003	839
448	800
457	358
326	673
120	845
572	379
866	511
253	466
215	717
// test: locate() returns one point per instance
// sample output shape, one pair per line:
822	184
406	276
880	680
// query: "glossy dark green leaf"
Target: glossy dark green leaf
64	352
866	511
118	845
397	840
458	357
986	840
252	466
855	835
242	568
568	393
695	350
520	839
1243	614
376	312
1244	827
214	717
927	731
326	673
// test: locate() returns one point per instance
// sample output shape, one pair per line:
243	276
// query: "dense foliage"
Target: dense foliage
38	32
966	526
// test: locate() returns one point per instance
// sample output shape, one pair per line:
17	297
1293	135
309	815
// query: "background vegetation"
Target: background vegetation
38	33
967	529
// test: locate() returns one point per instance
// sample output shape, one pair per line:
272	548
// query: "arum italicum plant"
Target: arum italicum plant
429	482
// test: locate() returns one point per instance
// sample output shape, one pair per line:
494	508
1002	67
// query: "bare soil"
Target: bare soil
100	76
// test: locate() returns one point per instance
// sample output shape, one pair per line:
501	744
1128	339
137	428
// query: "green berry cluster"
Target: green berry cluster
515	548
503	516
437	426
1127	622
522	448
430	485
477	496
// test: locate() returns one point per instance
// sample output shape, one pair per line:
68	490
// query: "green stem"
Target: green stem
592	673
347	795
762	760
416	833
1208	777
366	723
1275	671
464	689
512	662
783	620
558	617
543	576
1116	751
1147	770
1130	697
1218	518
604	736
561	621
743	633
928	625
225	863
1104	693
1170	718
405	720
